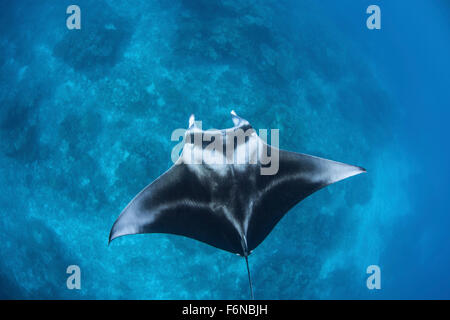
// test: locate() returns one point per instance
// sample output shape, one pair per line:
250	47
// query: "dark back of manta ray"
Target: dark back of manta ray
231	206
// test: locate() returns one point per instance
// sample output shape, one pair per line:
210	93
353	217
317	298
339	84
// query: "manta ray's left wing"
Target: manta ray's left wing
177	203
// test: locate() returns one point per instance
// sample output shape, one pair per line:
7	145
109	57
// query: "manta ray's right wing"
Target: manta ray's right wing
299	176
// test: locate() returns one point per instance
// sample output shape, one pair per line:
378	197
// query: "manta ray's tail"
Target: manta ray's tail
249	278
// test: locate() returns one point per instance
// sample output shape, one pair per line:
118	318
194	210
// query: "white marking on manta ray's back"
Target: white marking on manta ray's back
232	146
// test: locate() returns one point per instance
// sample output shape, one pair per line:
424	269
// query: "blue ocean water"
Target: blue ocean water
86	118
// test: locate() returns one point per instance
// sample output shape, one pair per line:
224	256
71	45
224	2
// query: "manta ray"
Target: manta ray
227	204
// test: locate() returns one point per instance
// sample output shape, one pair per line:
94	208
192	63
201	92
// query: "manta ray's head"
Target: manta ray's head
238	146
237	121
